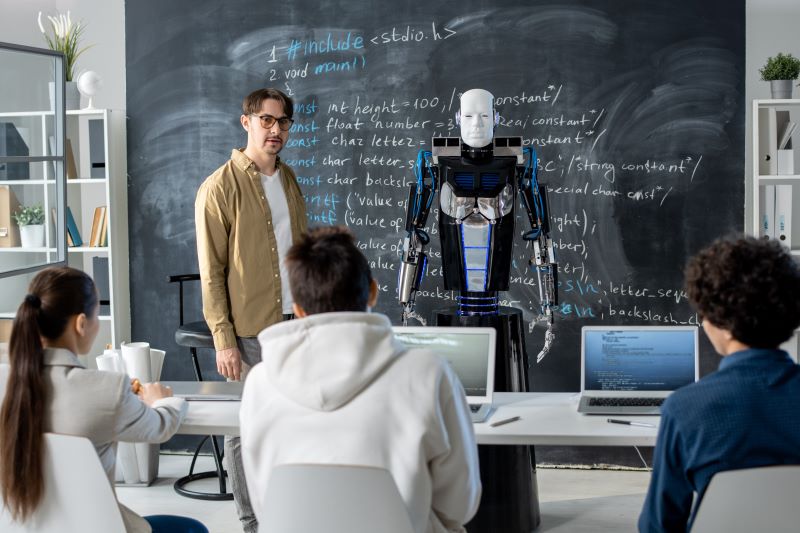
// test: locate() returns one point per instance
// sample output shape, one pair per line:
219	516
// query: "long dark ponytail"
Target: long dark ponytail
54	295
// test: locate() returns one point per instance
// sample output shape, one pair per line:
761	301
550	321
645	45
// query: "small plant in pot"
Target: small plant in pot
30	220
780	71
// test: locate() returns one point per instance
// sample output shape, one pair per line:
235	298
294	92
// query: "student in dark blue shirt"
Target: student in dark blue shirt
747	413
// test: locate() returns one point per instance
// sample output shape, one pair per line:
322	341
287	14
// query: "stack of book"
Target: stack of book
99	236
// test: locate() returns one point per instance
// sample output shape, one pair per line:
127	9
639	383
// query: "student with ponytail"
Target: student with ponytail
49	390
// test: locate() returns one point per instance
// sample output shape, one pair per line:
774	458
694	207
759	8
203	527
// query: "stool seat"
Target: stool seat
194	335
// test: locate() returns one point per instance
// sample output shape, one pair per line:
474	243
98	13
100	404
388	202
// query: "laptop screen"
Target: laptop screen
638	358
470	351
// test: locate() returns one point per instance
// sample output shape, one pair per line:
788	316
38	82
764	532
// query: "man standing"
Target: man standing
248	213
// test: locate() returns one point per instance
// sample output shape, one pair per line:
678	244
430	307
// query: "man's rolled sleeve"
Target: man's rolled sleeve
212	255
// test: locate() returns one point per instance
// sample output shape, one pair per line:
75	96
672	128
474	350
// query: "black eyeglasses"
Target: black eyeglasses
267	121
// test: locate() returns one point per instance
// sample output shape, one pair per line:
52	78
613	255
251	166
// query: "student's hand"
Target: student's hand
150	392
229	363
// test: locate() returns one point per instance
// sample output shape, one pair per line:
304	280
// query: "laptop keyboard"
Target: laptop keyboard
626	402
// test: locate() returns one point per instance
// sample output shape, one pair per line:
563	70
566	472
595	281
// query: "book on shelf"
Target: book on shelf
70	167
72	170
72	230
9	231
97	226
104	230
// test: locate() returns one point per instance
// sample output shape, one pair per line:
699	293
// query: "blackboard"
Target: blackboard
636	110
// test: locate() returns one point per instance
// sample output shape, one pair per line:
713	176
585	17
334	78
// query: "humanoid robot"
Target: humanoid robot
478	179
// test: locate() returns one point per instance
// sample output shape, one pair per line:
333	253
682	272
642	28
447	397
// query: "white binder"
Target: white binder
771	124
766	210
783	214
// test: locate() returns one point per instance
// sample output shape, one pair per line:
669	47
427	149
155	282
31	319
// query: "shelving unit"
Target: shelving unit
763	177
98	142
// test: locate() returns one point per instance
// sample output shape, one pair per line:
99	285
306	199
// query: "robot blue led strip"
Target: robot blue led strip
480	179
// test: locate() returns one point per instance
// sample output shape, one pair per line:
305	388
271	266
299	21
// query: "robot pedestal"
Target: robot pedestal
510	501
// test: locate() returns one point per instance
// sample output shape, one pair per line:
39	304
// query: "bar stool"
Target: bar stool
196	335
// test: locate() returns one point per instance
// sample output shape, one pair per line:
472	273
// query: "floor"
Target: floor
571	500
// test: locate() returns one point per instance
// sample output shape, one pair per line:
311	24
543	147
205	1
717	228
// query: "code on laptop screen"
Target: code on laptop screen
466	353
638	360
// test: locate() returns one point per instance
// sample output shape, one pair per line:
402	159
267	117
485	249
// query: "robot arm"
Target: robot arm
412	269
543	261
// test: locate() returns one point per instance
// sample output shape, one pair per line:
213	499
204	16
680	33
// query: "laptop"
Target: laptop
209	391
630	370
470	351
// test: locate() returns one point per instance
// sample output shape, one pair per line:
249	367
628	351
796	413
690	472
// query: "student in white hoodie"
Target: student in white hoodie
336	387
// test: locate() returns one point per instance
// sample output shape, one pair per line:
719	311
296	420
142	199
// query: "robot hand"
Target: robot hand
412	269
535	199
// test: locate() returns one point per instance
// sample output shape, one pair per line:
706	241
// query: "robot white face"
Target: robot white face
477	118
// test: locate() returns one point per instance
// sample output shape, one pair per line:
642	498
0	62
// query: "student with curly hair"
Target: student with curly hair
744	415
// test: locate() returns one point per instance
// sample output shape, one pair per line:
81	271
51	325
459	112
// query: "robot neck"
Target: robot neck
476	155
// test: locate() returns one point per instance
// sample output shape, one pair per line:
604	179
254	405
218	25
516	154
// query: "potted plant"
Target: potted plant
30	220
64	39
780	71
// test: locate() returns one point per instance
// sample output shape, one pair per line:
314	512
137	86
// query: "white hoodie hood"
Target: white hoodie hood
324	360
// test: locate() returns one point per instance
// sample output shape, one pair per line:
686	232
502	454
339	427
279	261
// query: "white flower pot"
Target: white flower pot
32	236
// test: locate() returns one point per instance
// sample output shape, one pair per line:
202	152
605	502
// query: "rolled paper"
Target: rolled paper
156	363
136	356
110	361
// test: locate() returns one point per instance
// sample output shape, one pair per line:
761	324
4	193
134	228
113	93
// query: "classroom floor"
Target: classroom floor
571	500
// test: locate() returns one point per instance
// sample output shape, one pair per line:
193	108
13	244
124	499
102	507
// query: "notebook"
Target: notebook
630	370
470	351
208	391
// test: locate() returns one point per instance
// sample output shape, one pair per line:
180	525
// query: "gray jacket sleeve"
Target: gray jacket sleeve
136	422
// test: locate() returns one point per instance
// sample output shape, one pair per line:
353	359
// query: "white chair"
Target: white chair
78	495
753	499
304	498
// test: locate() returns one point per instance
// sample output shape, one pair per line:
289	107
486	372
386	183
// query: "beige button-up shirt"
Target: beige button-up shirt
237	249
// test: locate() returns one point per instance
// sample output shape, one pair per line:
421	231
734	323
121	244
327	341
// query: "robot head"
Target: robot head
477	118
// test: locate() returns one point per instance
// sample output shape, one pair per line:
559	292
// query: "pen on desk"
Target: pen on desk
504	421
631	423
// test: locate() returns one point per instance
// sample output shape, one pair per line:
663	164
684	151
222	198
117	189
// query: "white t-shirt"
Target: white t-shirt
281	224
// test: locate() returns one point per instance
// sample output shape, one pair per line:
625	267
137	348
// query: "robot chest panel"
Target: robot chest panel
485	189
460	206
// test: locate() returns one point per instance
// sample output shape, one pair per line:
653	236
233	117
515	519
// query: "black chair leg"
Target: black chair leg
218	461
219	473
196	364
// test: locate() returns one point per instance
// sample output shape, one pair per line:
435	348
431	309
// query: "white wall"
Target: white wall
105	30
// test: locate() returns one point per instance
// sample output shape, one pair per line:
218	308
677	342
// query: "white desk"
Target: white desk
546	418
